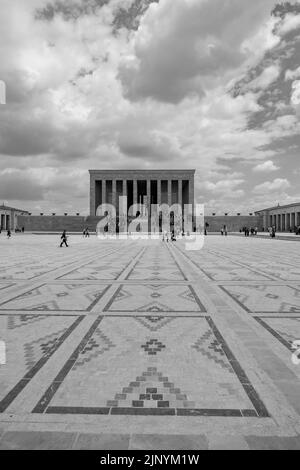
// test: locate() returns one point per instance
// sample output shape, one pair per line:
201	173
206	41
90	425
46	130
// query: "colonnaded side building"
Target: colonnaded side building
9	217
284	218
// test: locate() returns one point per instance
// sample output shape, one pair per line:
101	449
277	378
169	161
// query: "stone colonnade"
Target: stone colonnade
141	187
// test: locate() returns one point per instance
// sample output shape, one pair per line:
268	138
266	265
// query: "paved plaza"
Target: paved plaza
145	345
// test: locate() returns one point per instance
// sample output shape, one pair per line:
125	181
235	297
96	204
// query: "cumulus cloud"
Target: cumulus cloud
267	77
292	74
295	97
279	185
265	167
17	185
230	187
181	47
289	23
144	84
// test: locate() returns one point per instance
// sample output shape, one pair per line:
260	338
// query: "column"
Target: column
149	203
134	191
293	221
191	197
123	209
288	222
103	191
149	195
180	193
158	192
92	196
114	193
265	220
169	193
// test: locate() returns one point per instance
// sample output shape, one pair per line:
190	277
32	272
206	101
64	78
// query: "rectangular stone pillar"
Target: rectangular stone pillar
148	195
192	198
92	196
103	191
180	192
288	222
169	193
135	192
114	193
158	192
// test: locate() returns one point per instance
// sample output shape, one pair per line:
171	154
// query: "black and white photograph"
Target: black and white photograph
149	228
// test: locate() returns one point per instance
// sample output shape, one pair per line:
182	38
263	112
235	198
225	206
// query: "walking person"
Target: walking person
8	234
273	235
64	239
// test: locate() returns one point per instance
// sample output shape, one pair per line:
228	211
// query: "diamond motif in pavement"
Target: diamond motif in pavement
94	348
41	347
151	390
154	323
153	346
208	343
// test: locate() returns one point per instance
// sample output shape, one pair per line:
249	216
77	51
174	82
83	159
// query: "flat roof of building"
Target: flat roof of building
8	208
170	171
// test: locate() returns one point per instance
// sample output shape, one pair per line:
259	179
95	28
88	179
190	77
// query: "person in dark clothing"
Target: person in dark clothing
64	239
8	234
273	233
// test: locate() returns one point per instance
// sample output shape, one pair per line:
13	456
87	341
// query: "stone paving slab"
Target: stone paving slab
116	344
36	441
102	442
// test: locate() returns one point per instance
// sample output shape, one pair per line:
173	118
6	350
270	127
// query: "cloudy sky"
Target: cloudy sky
206	84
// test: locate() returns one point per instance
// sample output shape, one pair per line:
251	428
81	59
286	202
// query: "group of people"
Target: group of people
272	231
297	230
64	237
224	231
247	231
8	231
169	236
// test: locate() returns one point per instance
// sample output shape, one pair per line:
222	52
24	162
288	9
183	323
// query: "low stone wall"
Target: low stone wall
39	223
36	223
233	223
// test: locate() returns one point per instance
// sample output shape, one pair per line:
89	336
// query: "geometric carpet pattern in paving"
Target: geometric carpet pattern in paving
266	298
143	344
30	342
286	330
114	378
71	297
156	265
155	298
